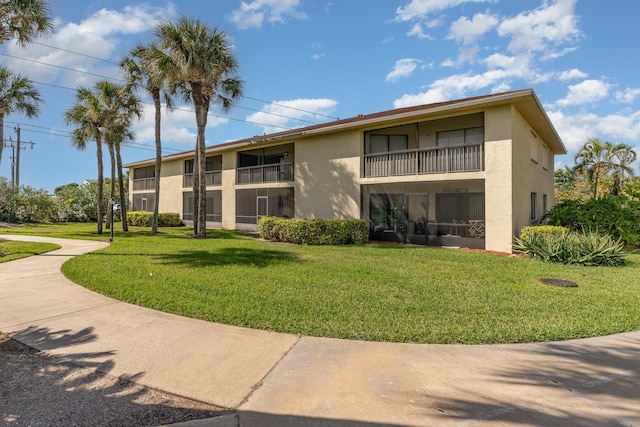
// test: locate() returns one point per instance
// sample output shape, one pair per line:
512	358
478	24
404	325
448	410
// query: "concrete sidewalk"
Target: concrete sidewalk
279	380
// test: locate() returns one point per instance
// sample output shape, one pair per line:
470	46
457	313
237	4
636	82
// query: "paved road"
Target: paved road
273	379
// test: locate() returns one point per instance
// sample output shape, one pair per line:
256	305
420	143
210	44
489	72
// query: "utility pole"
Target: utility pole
17	155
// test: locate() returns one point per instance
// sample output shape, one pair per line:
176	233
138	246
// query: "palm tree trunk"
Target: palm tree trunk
156	203
201	103
112	186
123	200
100	184
1	136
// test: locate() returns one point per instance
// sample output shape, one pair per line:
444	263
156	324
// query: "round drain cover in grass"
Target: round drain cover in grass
558	282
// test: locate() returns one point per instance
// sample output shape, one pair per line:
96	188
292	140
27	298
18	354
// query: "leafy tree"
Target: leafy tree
148	67
202	58
23	20
17	94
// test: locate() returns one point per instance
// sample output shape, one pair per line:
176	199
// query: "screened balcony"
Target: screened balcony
144	178
280	172
451	159
213	172
266	165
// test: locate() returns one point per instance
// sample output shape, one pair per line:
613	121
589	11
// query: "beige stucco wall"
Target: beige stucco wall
498	178
229	164
533	173
171	186
327	174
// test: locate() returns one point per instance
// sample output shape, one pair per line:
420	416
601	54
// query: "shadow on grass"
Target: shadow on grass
228	256
75	388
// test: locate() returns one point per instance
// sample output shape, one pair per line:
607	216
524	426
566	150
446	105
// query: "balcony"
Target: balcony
462	158
278	172
212	178
144	184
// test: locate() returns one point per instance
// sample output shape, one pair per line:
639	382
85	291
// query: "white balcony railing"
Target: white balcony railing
462	158
279	172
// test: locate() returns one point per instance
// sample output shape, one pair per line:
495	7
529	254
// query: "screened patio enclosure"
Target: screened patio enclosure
437	214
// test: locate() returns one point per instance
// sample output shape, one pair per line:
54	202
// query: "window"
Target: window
534	201
213	163
544	204
387	212
469	136
386	143
142	173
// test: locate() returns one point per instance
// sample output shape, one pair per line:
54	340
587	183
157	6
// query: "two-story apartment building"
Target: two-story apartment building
466	173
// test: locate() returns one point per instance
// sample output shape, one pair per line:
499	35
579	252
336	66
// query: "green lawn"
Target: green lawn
369	292
11	250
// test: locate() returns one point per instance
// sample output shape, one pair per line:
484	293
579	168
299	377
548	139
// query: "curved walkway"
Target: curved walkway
279	379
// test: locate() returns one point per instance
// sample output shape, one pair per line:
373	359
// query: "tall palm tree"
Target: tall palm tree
201	57
88	119
118	105
17	94
23	20
147	67
594	160
104	114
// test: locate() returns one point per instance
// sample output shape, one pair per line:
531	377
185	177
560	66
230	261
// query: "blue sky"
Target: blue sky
312	61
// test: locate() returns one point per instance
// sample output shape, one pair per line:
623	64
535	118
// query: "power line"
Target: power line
112	78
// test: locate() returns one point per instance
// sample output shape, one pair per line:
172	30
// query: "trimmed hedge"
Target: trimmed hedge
144	219
313	231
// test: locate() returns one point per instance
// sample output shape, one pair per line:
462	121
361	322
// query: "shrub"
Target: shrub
144	219
617	216
571	247
314	231
526	232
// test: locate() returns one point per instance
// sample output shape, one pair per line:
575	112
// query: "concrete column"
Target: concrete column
229	163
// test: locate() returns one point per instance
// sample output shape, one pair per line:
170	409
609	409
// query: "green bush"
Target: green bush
144	219
571	247
617	216
314	231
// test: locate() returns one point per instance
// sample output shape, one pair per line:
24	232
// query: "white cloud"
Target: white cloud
280	115
403	68
628	95
553	24
574	130
96	37
467	31
572	74
585	92
253	14
419	9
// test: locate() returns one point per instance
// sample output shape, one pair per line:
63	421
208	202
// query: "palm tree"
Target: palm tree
104	115
24	20
594	160
88	119
118	105
202	58
17	94
621	156
146	67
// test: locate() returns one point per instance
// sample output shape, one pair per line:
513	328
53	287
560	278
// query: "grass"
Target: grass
11	250
368	292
